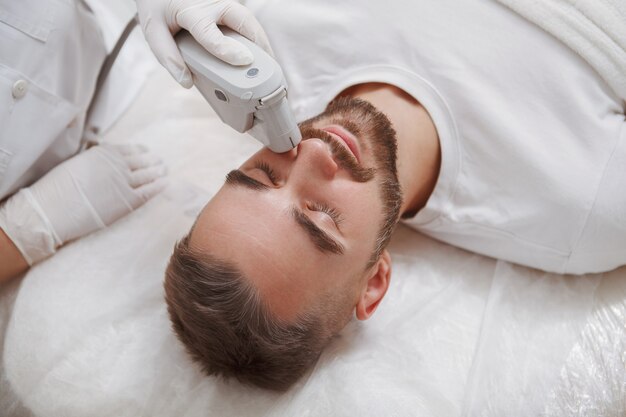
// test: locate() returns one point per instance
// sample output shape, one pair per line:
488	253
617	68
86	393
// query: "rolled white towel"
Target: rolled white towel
594	29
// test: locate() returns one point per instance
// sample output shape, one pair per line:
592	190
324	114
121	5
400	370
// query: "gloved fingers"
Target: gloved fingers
164	48
206	32
239	18
147	175
149	190
126	149
141	161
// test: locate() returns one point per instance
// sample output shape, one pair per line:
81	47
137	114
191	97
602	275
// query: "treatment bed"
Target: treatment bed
86	332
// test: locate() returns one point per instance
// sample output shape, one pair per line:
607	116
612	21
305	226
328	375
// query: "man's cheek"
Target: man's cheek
362	197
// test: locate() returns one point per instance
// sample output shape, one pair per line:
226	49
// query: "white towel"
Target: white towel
594	29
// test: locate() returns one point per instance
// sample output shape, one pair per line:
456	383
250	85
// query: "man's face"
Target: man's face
303	224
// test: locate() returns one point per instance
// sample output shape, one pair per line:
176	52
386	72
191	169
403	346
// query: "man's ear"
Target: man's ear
375	287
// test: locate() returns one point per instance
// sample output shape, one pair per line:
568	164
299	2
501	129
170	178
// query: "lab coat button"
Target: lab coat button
19	89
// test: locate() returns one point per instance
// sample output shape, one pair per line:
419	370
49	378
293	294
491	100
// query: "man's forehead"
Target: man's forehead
233	222
255	235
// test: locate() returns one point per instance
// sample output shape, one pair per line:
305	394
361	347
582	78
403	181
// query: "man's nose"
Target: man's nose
315	156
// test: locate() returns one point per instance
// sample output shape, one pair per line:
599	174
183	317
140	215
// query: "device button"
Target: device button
220	95
252	72
246	96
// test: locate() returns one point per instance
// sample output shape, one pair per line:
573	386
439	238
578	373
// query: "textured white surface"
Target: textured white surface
86	332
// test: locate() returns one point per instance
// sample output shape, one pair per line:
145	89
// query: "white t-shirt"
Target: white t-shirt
533	141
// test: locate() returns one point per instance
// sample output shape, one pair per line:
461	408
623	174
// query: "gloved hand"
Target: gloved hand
161	19
83	194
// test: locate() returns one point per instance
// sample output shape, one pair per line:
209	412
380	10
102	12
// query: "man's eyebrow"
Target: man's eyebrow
322	240
237	177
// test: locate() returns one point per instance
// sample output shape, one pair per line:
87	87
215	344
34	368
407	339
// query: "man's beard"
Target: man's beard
375	133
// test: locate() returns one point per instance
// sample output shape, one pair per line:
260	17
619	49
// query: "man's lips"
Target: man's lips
345	138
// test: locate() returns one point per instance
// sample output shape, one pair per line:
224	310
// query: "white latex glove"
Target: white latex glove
161	19
87	192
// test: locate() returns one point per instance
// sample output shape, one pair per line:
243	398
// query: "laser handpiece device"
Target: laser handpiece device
248	98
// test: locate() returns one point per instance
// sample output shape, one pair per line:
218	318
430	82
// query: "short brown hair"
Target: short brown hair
220	318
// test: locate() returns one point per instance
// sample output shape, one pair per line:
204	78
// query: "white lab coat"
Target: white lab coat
50	55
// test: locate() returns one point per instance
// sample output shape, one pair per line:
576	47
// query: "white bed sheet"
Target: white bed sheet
86	332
